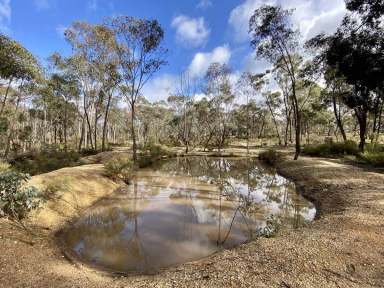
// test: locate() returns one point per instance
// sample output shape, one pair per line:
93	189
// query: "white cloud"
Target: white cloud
203	4
310	16
201	61
5	15
42	4
255	66
191	32
160	88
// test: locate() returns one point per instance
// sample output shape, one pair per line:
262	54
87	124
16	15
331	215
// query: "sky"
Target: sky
197	32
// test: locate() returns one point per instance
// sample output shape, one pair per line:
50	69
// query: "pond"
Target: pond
185	209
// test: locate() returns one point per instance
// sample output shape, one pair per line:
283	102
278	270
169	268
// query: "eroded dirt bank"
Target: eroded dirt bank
343	248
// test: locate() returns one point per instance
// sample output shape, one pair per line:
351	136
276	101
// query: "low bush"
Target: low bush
45	161
16	200
152	153
88	152
4	166
372	158
374	148
119	167
271	156
330	149
54	187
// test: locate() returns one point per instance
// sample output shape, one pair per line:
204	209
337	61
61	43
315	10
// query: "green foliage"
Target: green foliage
372	158
330	149
152	153
4	166
88	152
53	187
119	167
374	148
271	156
15	199
16	62
45	161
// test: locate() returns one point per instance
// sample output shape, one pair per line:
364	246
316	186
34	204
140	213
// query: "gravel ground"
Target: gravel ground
343	247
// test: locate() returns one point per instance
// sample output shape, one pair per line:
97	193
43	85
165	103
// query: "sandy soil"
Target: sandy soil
344	247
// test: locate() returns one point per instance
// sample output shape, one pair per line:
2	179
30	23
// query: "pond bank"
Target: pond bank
343	248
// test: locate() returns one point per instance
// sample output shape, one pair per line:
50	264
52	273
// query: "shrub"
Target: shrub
374	147
119	167
152	153
372	158
53	187
332	149
4	166
15	199
271	156
88	152
45	161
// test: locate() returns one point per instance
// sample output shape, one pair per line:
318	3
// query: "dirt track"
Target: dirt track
344	247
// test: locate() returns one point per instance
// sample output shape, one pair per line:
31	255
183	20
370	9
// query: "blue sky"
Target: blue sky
197	32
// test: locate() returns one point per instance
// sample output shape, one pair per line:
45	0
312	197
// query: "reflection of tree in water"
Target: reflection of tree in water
256	190
99	233
123	232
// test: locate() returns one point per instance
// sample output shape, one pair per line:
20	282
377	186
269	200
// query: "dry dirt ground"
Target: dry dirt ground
343	247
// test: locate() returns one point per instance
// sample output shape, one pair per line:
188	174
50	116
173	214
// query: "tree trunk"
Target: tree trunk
361	115
106	122
338	118
275	123
65	126
95	131
5	97
133	133
81	134
297	123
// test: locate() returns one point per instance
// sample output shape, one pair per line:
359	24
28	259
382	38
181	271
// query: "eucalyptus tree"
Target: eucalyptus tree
65	89
182	103
356	54
19	70
249	86
273	102
335	91
140	56
219	91
95	62
275	40
17	66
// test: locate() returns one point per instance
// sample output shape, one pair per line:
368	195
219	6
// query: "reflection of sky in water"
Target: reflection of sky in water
165	217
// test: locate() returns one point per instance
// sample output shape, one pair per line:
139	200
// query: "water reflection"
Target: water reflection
182	210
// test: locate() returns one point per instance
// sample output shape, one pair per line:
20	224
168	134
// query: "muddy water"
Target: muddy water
182	210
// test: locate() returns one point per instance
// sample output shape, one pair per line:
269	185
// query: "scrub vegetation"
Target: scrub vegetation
82	125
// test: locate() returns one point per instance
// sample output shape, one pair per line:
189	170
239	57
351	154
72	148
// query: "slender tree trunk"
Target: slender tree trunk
5	97
338	118
275	123
65	127
297	123
361	115
88	122
379	123
134	147
105	125
95	131
81	134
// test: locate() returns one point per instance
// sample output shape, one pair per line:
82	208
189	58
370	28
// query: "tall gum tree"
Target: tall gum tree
274	39
140	56
95	49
